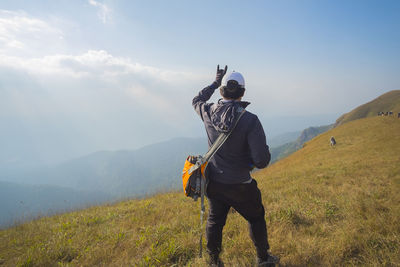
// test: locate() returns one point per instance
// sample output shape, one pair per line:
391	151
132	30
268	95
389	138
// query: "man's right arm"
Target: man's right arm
200	101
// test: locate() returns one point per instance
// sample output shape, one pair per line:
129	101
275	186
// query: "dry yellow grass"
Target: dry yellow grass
325	207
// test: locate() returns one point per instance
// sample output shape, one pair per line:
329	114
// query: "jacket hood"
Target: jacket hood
225	113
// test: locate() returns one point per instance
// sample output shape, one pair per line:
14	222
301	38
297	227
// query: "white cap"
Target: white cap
235	76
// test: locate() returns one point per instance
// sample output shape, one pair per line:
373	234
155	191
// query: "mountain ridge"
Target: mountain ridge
386	102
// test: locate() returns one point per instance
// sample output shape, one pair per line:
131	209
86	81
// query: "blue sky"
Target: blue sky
89	75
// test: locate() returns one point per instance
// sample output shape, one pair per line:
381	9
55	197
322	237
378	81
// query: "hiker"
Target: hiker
333	141
228	172
398	115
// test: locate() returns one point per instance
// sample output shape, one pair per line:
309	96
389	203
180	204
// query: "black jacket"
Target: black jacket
245	149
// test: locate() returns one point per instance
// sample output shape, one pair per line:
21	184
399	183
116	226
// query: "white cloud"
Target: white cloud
23	34
109	98
94	63
156	91
104	12
23	37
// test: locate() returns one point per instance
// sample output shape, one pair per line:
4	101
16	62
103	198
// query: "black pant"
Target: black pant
246	200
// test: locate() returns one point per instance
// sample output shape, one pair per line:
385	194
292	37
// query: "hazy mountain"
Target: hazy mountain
282	139
120	173
281	125
285	150
95	178
22	202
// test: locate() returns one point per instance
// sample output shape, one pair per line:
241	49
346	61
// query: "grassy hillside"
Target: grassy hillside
389	101
324	207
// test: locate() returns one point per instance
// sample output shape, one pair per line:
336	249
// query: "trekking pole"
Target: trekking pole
202	210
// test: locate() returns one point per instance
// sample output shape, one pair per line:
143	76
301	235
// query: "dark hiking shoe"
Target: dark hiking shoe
268	261
215	261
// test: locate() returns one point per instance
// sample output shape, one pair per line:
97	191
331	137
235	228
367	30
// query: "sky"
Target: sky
87	75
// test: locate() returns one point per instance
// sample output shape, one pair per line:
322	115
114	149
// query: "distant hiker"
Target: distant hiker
398	115
390	113
228	172
333	141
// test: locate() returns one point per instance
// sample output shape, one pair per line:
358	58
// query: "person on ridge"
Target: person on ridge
228	172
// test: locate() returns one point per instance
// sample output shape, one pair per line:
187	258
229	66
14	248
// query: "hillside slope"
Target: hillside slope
324	207
389	101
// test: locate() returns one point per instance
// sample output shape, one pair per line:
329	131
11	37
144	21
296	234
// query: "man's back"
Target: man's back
245	149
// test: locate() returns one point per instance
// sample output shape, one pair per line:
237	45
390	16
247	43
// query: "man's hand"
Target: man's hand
220	75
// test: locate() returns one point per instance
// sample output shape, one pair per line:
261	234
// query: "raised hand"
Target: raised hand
220	74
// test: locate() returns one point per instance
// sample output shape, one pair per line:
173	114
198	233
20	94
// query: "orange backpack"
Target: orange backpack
193	172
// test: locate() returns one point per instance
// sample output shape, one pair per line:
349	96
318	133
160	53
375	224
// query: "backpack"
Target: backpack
193	172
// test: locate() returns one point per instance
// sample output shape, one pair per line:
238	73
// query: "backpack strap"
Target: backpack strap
215	146
202	211
221	140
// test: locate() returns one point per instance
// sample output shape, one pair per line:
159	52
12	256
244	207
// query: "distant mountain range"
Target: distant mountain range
22	202
121	173
282	138
96	178
285	150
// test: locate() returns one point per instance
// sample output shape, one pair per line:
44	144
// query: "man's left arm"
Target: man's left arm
259	149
